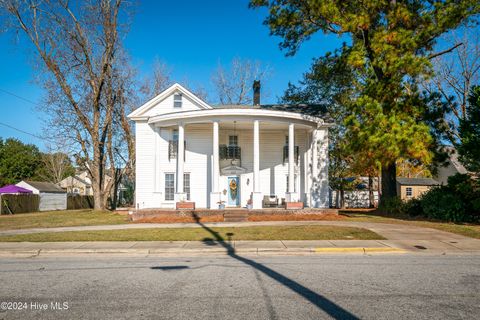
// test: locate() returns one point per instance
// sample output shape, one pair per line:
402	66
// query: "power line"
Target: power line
19	97
25	132
20	130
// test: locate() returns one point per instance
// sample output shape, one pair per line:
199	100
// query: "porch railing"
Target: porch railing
173	149
230	152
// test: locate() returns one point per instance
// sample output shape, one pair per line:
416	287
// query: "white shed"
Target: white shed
52	197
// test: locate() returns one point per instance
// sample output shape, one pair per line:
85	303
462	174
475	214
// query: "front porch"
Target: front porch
270	162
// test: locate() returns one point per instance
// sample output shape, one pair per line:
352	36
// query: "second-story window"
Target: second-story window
177	100
233	140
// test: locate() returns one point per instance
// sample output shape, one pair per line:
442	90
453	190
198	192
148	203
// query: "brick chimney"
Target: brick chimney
256	92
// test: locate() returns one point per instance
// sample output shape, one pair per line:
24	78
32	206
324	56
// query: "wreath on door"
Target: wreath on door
233	189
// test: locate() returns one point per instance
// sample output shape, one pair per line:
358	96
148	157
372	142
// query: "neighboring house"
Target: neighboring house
82	184
188	150
76	185
452	167
411	188
52	197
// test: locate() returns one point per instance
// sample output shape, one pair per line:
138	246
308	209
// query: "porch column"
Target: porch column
180	195
215	194
256	195
291	194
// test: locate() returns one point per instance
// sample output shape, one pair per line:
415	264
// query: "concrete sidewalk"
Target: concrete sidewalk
401	239
389	231
186	248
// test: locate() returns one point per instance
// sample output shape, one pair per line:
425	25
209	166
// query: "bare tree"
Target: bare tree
158	81
82	62
196	88
455	74
234	84
56	166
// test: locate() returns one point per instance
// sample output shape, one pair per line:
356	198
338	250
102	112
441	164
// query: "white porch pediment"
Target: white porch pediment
157	106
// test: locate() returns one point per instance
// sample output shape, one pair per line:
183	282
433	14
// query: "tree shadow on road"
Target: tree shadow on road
324	304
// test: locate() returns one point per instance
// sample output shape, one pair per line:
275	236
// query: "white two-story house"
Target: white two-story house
188	150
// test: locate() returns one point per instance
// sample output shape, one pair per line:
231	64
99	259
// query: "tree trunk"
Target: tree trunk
337	199
98	199
118	180
342	199
389	181
371	198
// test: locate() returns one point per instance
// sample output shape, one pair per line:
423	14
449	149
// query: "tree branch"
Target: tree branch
434	55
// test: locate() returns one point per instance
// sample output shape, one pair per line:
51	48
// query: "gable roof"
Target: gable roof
453	158
417	182
45	186
138	113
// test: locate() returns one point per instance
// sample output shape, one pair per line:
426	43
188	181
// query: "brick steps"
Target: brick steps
235	217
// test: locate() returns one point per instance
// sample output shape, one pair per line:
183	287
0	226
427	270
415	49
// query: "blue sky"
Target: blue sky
191	37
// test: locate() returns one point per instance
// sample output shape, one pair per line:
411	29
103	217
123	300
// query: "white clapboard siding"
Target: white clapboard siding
151	167
144	143
52	201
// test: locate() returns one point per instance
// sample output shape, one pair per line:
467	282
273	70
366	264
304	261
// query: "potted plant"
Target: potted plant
250	204
221	204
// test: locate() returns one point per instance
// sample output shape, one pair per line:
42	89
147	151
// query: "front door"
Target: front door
233	191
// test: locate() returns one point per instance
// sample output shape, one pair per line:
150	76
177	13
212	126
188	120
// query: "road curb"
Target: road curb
172	251
359	250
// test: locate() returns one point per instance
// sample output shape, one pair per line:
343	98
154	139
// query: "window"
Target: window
169	186
177	100
233	140
409	192
286	140
173	146
186	184
296	154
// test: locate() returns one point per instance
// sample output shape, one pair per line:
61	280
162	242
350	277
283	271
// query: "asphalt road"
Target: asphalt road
234	287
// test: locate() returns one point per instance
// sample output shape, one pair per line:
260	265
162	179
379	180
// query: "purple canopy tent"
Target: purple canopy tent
13	189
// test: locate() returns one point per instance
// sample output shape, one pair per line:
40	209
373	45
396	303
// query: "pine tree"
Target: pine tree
391	46
469	130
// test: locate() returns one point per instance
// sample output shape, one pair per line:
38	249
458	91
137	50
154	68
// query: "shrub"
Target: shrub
413	207
392	205
440	203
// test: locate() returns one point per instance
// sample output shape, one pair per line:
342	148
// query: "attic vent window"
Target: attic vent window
177	101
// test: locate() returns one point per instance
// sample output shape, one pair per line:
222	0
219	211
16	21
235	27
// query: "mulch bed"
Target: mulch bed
182	216
179	219
296	217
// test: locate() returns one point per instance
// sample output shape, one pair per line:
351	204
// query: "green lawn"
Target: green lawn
202	234
51	219
468	230
70	218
